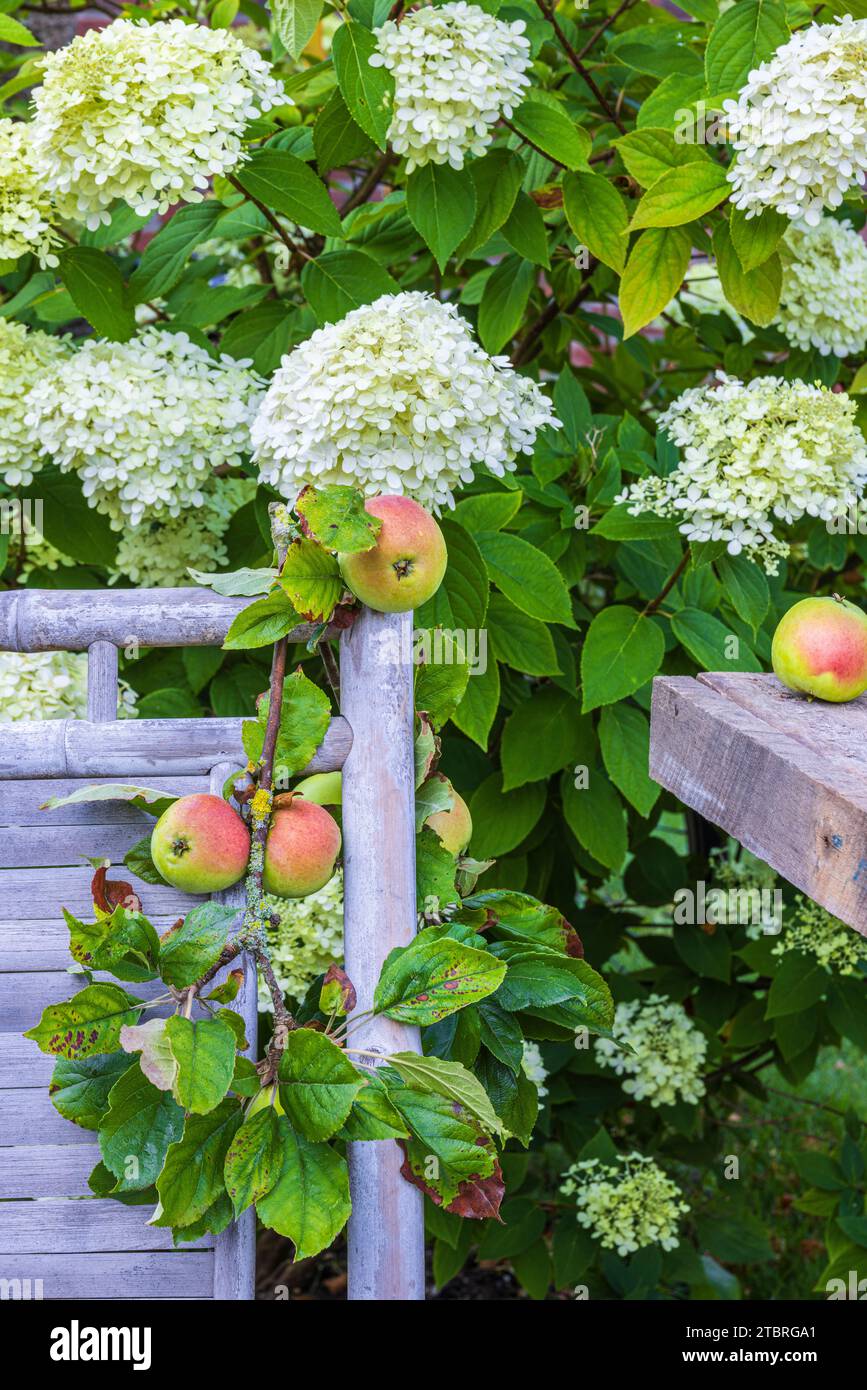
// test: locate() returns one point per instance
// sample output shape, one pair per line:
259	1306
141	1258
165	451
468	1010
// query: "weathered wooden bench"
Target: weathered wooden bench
786	776
97	1248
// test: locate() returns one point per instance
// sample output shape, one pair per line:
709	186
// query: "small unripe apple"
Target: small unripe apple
454	827
302	847
200	845
268	1095
406	566
325	788
820	648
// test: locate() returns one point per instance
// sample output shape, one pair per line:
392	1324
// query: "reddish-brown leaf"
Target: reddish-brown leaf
480	1198
347	988
107	895
477	1198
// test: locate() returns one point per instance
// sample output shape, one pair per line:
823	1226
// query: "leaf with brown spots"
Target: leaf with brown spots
228	990
514	916
337	995
125	944
254	1159
107	895
87	1024
433	977
335	516
446	1148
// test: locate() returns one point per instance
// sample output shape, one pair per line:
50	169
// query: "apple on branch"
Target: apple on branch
406	565
302	847
200	845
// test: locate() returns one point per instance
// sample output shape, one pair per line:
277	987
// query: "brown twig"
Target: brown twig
368	183
547	317
527	141
597	35
263	961
667	587
232	951
297	252
253	932
332	670
575	59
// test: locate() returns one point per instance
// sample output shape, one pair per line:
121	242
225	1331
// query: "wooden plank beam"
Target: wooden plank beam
789	794
51	1170
22	1064
174	1274
98	1225
42	943
28	893
20	802
101	682
386	1228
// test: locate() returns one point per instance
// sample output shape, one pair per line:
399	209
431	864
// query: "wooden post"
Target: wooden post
386	1228
101	682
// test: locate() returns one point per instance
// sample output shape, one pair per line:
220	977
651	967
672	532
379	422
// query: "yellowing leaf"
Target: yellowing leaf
597	215
653	275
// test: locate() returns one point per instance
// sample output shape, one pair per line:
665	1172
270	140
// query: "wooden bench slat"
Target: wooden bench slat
22	1064
24	995
58	846
49	1170
36	943
96	1225
30	893
28	1117
800	810
121	1275
20	801
37	620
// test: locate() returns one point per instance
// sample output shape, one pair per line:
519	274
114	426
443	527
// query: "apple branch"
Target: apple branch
253	931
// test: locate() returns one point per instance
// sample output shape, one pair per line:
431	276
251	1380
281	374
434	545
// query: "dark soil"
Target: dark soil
324	1278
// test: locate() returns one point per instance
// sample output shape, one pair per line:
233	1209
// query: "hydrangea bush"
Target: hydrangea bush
589	282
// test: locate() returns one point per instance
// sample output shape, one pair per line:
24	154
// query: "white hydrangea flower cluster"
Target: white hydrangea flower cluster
746	879
823	303
24	355
308	939
534	1067
39	554
396	397
49	685
457	70
668	1054
146	113
812	929
799	126
158	554
144	423
626	1204
752	453
43	685
26	211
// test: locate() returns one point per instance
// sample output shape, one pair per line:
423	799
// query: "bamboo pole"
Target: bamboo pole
101	682
38	620
386	1228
